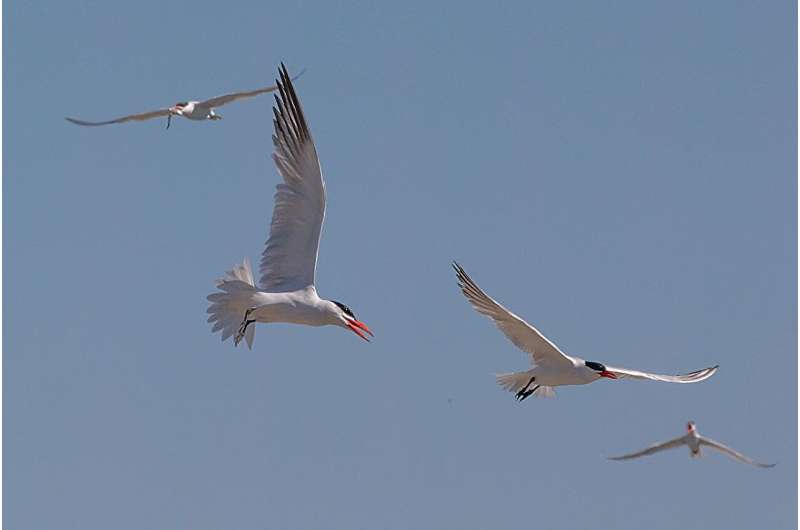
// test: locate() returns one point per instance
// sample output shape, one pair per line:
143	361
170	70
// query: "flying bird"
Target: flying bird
692	439
193	110
286	290
551	366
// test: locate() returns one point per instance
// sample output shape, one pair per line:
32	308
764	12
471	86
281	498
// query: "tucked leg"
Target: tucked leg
524	392
523	395
246	321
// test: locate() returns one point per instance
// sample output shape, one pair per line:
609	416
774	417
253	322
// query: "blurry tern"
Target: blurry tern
286	291
551	367
193	110
694	441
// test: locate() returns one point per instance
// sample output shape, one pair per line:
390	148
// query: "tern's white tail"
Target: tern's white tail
521	383
227	307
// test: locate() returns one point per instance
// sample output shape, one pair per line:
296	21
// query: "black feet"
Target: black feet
243	327
521	395
524	392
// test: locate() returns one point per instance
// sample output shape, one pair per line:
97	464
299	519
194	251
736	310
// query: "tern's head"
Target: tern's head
177	108
347	319
600	369
690	426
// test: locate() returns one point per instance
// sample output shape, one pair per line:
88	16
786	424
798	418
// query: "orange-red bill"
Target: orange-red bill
356	326
610	375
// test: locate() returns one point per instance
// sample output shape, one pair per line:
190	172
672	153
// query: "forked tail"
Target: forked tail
229	304
524	384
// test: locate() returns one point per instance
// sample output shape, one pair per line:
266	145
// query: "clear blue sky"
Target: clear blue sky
621	174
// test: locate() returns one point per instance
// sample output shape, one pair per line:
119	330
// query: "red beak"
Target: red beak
610	375
356	326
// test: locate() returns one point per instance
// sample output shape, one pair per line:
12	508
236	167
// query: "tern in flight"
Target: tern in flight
286	291
193	110
694	441
551	367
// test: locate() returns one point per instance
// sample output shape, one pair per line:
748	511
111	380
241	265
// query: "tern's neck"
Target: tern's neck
332	313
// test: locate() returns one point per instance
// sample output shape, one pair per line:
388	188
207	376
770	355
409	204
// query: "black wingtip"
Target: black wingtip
460	274
279	79
284	73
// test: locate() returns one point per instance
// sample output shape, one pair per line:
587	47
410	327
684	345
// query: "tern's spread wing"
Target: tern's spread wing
669	444
290	257
730	452
227	98
523	335
691	377
133	117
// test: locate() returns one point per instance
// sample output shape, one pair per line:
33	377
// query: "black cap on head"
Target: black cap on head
347	310
598	367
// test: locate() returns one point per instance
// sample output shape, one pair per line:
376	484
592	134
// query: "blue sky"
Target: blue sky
622	175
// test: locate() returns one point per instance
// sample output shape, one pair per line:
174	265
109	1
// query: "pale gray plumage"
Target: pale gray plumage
694	441
524	336
675	442
289	260
551	367
287	292
200	109
133	117
516	381
730	452
224	99
226	306
691	377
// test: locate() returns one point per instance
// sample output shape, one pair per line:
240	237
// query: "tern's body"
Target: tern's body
551	366
694	442
195	110
286	291
575	373
296	307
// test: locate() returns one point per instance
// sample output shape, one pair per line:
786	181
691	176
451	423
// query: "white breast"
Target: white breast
195	112
297	307
564	375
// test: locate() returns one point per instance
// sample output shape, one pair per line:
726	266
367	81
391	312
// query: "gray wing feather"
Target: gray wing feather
227	98
289	260
523	335
669	444
691	377
133	117
730	452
